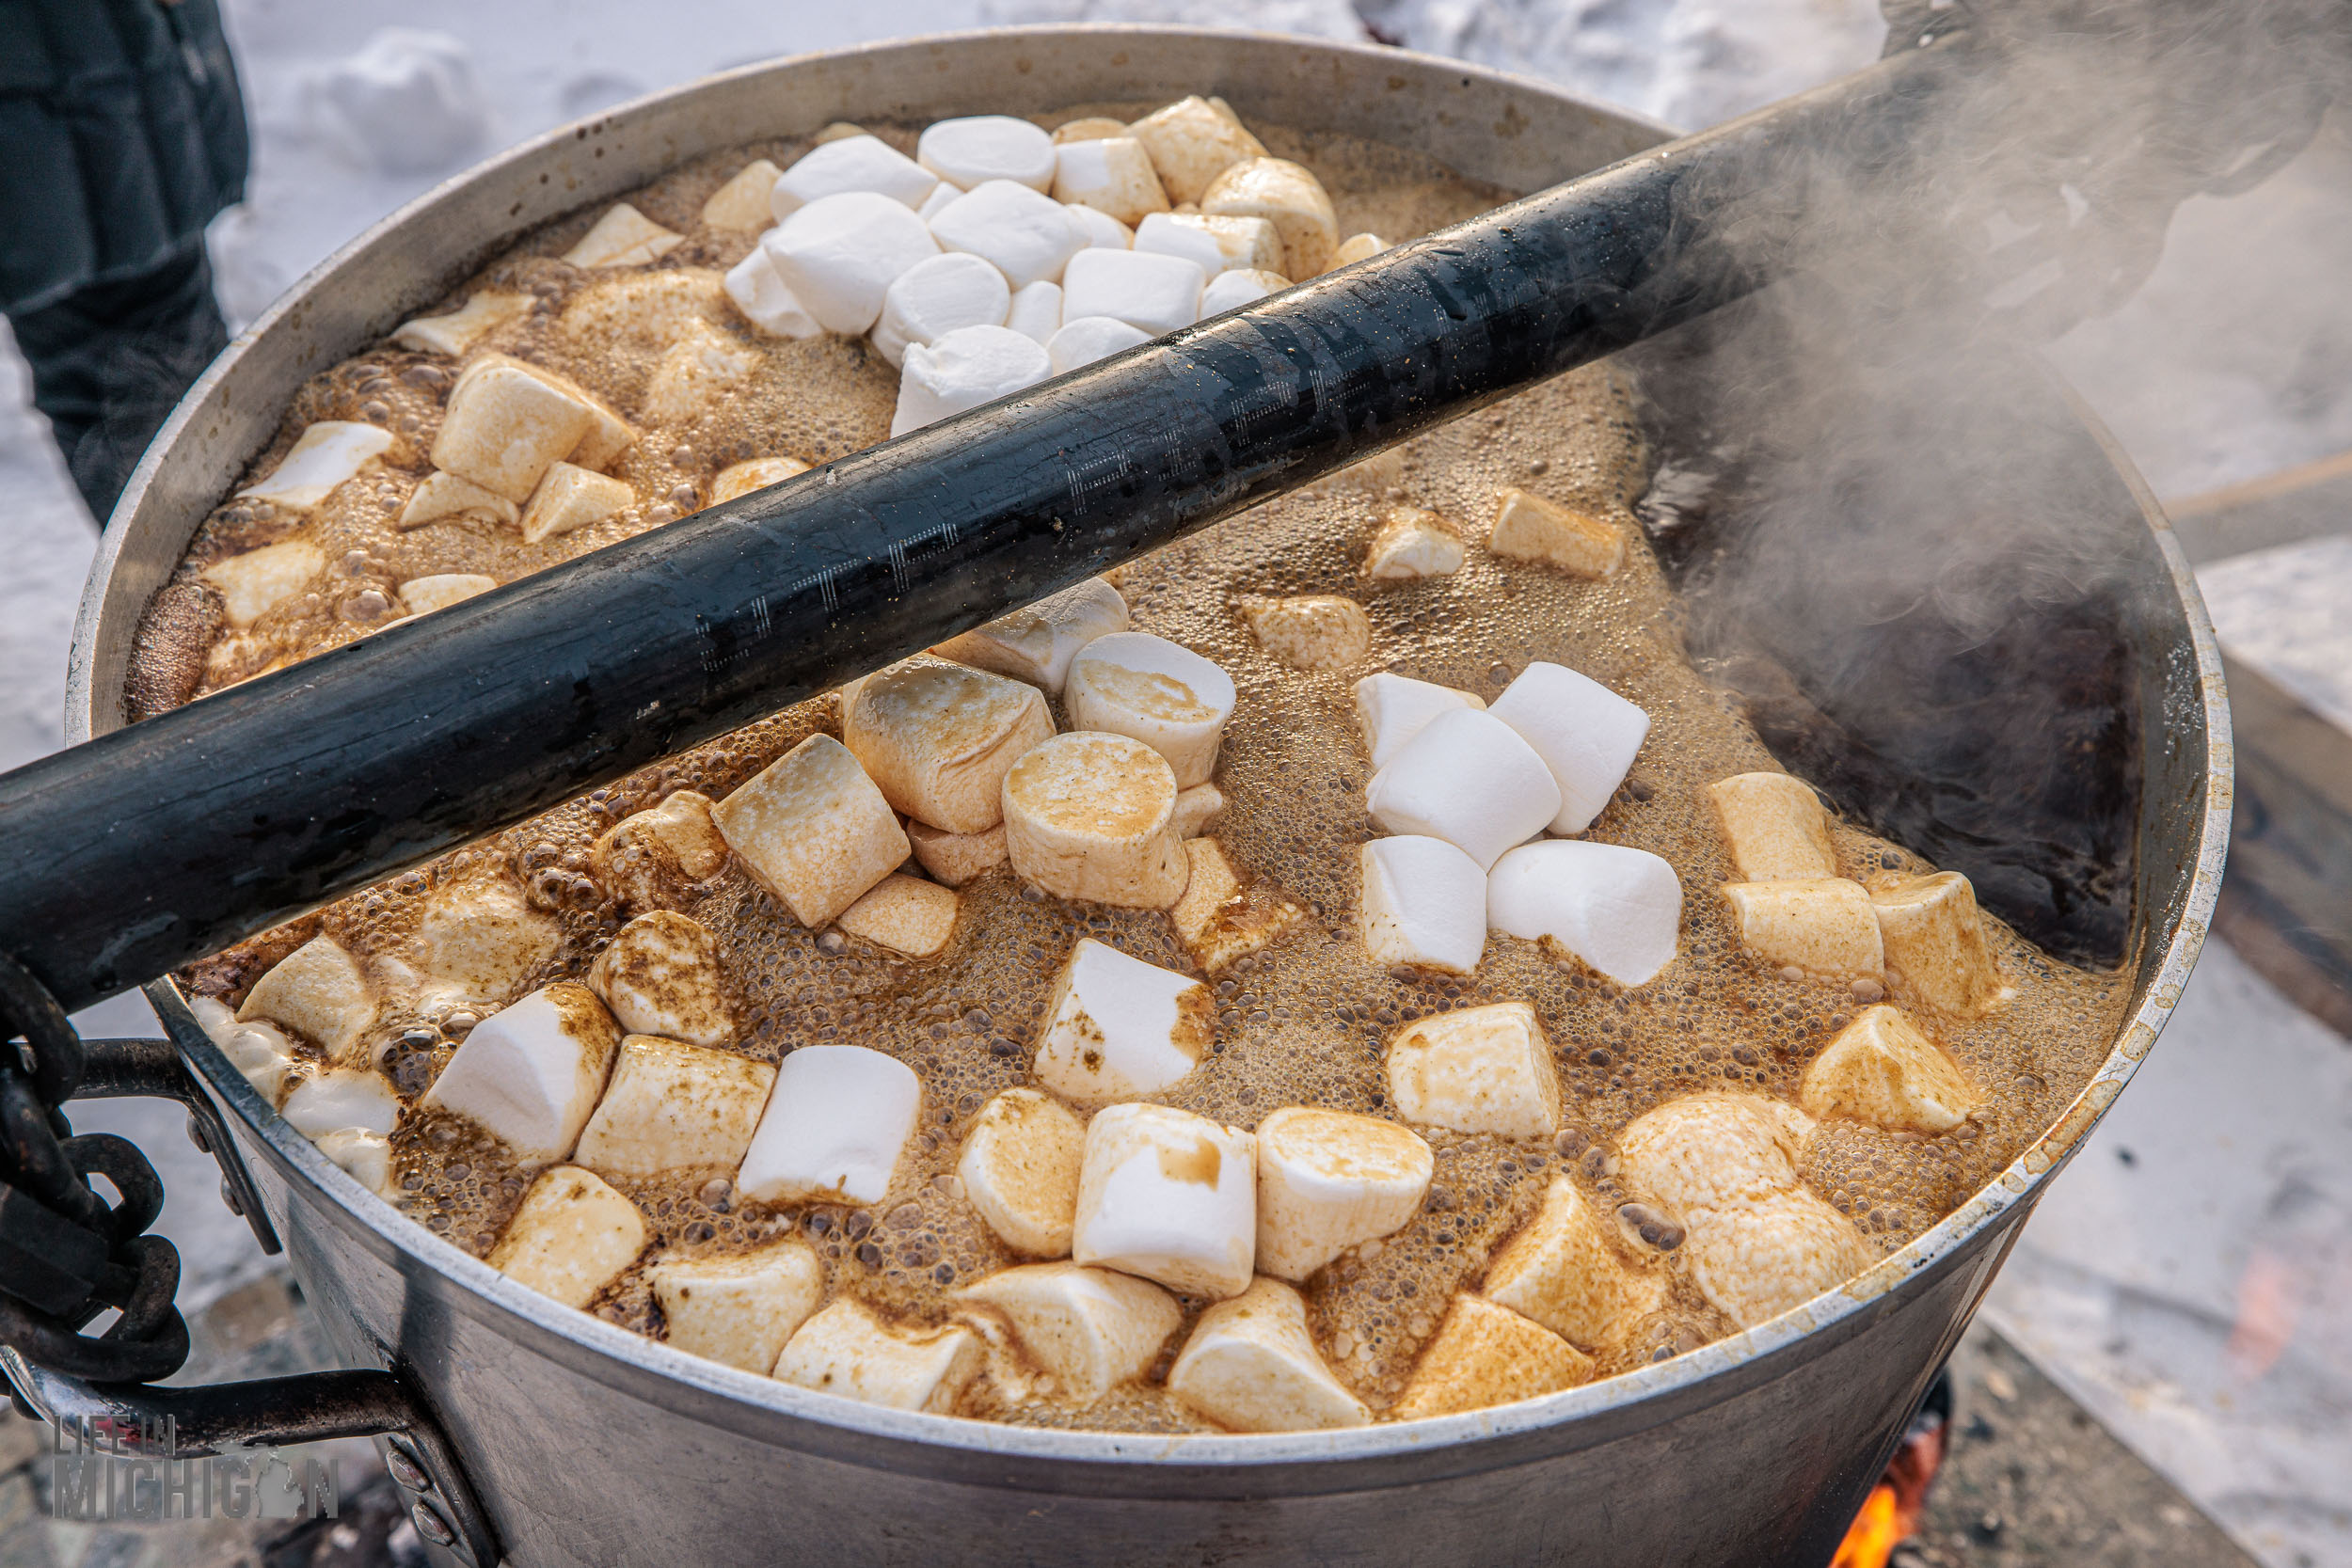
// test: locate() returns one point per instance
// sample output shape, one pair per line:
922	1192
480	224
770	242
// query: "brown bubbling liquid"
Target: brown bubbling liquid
1305	1020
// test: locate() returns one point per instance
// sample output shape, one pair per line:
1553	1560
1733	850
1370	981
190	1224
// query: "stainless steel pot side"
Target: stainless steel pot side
588	1444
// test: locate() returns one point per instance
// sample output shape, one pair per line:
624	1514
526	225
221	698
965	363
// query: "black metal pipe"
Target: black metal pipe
158	843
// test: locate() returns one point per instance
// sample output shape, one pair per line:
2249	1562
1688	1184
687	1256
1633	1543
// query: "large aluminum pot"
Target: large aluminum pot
587	1444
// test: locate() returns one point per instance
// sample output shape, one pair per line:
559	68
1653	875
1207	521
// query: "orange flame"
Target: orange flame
1891	1512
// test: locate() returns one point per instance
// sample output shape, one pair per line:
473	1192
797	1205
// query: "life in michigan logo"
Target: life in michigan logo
110	1470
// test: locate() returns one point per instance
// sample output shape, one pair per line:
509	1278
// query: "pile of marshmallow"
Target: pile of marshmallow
999	254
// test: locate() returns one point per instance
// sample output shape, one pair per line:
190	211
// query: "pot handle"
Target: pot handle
124	1069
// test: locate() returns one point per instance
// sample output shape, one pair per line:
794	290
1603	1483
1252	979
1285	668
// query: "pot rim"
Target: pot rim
652	1370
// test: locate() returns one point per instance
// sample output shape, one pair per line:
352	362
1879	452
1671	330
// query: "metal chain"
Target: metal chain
66	1254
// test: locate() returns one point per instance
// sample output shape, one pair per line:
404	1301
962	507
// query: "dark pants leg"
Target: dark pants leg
110	360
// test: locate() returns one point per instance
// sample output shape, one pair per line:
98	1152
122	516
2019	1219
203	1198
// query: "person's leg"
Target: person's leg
110	360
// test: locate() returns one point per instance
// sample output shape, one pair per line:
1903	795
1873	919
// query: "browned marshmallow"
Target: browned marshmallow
573	1235
572	498
1328	1181
845	1350
661	976
318	992
1821	926
955	859
1529	528
1935	943
1311	631
905	915
1192	142
1483	1070
1413	543
1775	826
741	204
938	739
1020	1170
1197	809
739	1309
623	237
647	858
1227	913
1251	1366
1088	1330
1882	1070
1483	1355
812	828
755	473
1564	1270
1287	196
671	1106
1091	815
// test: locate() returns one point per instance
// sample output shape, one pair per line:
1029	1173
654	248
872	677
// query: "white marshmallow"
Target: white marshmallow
937	202
846	164
1192	141
1197	809
1085	339
1215	245
938	739
325	457
933	298
1288	195
253	584
1414	542
834	1126
1586	733
318	992
739	1310
573	1235
759	291
507	425
743	202
1617	909
1020	1170
1091	815
1152	294
453	334
977	147
964	369
1483	1070
840	254
1103	232
1117	1028
531	1075
813	829
1029	237
1392	710
905	915
424	595
1168	1195
1036	644
623	237
1236	287
440	494
1088	1329
1036	311
339	1098
1251	1364
671	1106
1327	1181
1424	904
1111	175
1160	693
367	1156
845	1350
259	1051
1469	779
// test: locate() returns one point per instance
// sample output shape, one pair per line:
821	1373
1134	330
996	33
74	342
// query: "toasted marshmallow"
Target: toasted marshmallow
905	915
360	1098
739	1310
933	298
1757	1260
440	494
1424	904
742	203
1227	913
855	163
954	859
1821	926
1484	1355
1088	128
1287	196
659	975
845	1350
1088	1329
1327	1181
1563	1270
506	426
1152	294
964	369
324	457
1251	1366
366	1155
1311	631
757	473
1216	244
834	1127
1586	733
1157	691
1392	710
1715	1149
977	147
1529	528
318	992
1230	291
1375	476
1117	1027
531	1075
938	739
1882	1070
1483	1070
1036	311
1168	1195
476	942
1355	247
647	858
1103	232
571	1238
643	311
1037	643
1090	815
767	301
1109	174
1020	1170
1027	236
1775	826
812	828
1411	544
623	237
571	498
253	584
1469	779
1617	909
1935	943
839	254
456	333
671	1106
838	129
1191	142
1196	810
1083	339
701	365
